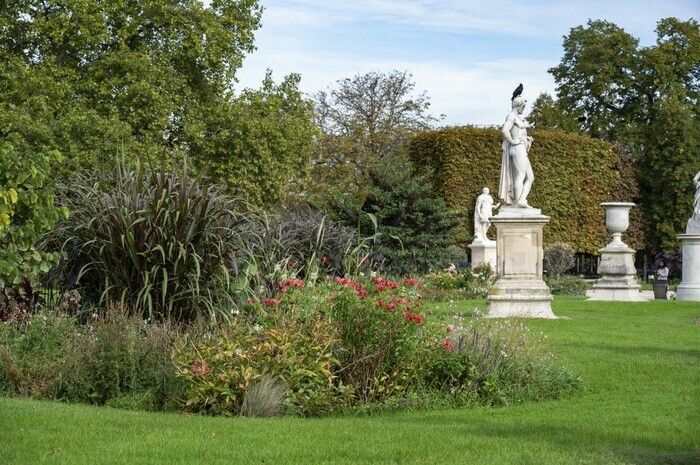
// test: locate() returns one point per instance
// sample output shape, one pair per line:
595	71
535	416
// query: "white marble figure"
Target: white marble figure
516	171
483	210
694	222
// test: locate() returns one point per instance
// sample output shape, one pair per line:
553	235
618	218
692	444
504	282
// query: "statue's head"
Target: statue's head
518	103
486	190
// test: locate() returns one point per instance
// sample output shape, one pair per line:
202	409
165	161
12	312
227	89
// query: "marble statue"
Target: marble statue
483	210
516	172
694	221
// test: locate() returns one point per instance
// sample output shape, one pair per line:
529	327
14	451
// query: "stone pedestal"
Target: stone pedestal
618	279
689	288
483	252
519	290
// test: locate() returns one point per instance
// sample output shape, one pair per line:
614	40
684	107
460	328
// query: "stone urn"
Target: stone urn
618	276
617	220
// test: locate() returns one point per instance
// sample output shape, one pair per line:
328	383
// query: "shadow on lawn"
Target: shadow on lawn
637	350
593	443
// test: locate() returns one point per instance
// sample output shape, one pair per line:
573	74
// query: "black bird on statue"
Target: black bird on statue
518	90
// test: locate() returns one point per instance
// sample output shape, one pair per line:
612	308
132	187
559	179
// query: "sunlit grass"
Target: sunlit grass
640	363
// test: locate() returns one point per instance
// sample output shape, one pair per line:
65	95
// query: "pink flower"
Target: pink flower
270	302
413	282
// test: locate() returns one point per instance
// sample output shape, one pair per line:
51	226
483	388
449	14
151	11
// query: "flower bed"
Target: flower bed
344	344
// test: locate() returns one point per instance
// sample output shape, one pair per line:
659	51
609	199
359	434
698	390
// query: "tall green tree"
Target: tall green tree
414	226
363	119
645	97
548	113
96	78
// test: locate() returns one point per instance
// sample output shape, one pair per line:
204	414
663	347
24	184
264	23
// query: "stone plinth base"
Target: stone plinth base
519	290
689	288
523	299
618	275
483	252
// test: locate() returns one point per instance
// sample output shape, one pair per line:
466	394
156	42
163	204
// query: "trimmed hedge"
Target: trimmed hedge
573	175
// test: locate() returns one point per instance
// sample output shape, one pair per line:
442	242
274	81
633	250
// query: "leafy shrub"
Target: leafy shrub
558	258
413	227
496	363
115	359
222	367
380	329
298	241
27	210
161	243
568	285
469	283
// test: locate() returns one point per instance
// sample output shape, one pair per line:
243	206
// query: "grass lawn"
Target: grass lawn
640	363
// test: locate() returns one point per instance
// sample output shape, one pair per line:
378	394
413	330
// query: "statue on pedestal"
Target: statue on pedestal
516	172
694	221
483	210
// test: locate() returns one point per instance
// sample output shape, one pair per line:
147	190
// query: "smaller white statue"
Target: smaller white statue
694	221
483	210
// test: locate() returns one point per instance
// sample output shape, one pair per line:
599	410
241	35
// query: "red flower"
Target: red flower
346	282
201	368
270	302
361	292
390	306
449	329
447	344
291	282
382	283
414	317
413	282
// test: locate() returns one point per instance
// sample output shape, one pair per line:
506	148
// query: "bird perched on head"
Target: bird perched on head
518	90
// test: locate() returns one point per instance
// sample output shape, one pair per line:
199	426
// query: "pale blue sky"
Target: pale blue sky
467	55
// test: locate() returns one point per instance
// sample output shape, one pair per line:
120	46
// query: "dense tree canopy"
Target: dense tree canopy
96	78
548	113
645	97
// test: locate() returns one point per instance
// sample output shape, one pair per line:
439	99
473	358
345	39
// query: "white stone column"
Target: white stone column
519	290
483	252
689	288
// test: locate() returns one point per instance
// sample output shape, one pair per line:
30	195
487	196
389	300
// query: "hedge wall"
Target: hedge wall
573	175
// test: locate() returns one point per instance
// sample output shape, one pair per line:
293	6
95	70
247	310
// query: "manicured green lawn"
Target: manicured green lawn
640	363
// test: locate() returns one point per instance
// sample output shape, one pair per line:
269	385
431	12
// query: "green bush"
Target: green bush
379	333
573	175
115	359
568	285
496	363
470	283
558	258
27	211
160	242
412	227
224	368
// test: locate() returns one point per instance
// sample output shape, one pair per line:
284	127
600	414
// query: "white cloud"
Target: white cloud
304	36
527	18
476	94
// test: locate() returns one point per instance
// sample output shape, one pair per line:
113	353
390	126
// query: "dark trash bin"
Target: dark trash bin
660	289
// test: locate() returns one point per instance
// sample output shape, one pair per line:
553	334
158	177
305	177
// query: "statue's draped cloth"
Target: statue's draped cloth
505	186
